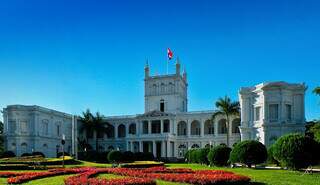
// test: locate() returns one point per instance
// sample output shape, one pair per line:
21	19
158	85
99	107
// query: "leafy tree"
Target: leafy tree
248	152
1	138
93	124
316	91
226	108
219	155
313	130
296	151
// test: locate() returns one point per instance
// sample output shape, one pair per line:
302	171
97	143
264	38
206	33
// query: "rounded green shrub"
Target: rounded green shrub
114	156
202	155
296	151
271	159
219	155
249	152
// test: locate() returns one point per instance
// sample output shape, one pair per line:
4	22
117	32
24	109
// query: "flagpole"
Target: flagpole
167	65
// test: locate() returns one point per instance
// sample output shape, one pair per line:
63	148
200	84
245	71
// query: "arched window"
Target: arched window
121	131
195	127
182	149
24	148
235	125
132	128
208	127
110	148
195	146
110	131
222	127
182	128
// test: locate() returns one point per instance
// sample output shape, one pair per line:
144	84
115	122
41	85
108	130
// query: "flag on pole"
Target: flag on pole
169	53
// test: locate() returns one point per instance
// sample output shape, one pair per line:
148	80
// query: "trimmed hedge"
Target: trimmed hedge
248	152
7	154
271	159
26	154
219	155
296	151
60	154
197	155
114	156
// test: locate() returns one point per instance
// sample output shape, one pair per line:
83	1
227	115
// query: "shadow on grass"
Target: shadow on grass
257	183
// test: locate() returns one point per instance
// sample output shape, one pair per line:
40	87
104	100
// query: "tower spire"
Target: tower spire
146	69
178	66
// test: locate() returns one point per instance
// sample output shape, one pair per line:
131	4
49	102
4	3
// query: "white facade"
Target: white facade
270	110
30	129
166	128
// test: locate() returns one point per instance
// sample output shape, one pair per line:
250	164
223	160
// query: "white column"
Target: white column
149	127
128	145
188	128
132	146
163	149
161	126
140	146
173	127
154	151
202	128
115	131
168	149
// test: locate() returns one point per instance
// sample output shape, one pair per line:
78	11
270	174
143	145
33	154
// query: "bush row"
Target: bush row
117	156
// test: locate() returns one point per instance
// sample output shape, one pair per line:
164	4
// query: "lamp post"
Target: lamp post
63	142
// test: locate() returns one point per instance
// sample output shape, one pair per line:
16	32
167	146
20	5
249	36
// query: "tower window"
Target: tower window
162	105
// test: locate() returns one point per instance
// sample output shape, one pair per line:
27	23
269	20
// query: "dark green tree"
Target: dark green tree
1	138
93	124
226	108
316	91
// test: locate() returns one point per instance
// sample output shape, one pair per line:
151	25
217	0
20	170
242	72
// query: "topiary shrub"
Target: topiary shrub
38	154
128	156
201	155
271	159
26	154
219	155
114	156
296	151
248	152
8	154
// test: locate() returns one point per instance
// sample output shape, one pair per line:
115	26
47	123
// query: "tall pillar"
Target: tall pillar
202	128
115	131
132	146
161	126
128	145
188	128
163	149
140	146
149	127
168	149
154	148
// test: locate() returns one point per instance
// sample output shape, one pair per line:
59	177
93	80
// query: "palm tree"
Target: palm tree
226	107
93	124
316	91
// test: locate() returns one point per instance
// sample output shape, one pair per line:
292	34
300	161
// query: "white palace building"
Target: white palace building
166	128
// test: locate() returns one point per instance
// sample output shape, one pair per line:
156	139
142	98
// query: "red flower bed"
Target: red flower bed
19	178
133	176
85	179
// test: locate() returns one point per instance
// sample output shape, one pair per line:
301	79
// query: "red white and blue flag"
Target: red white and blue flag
169	53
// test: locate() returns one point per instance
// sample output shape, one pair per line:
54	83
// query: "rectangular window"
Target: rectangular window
155	127
58	130
24	126
288	112
257	113
166	126
273	112
145	127
12	126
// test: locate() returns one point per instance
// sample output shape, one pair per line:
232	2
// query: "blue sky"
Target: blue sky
73	55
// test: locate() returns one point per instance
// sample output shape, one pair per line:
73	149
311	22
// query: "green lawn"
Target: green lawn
259	177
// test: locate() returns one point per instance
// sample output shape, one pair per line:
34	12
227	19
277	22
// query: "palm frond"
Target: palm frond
316	91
